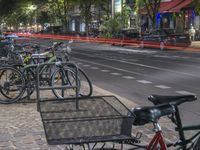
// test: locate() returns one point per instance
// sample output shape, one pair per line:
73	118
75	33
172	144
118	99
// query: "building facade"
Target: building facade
174	14
77	24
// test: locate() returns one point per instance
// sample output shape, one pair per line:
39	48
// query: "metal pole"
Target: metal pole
37	87
77	88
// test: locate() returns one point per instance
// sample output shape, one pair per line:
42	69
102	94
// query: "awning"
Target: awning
170	5
184	4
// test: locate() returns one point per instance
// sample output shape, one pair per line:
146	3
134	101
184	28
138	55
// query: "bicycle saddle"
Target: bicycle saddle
174	100
147	114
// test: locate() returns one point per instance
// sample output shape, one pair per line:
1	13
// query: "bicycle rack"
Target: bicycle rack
40	88
83	120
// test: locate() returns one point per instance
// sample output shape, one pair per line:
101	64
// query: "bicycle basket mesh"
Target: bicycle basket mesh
97	119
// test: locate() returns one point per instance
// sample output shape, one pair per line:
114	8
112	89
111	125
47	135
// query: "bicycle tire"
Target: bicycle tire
46	74
85	89
60	78
11	81
30	82
197	144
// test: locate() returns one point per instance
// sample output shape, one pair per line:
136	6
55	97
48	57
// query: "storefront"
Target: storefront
174	14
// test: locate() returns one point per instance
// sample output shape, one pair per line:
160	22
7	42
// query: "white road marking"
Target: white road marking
115	74
79	63
144	81
105	70
86	65
162	86
146	66
185	93
94	68
128	77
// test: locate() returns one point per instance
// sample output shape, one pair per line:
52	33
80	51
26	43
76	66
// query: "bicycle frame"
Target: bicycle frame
157	140
180	128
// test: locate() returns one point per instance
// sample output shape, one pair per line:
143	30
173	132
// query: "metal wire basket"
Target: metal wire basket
98	119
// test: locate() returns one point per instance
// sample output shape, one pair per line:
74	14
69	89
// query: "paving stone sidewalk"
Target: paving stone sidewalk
195	44
21	127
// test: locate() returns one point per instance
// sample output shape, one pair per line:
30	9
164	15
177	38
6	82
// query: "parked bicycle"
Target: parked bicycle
17	70
107	121
183	143
27	65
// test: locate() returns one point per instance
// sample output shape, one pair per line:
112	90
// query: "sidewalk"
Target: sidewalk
21	127
195	44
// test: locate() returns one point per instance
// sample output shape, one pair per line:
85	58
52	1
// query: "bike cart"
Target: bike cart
85	121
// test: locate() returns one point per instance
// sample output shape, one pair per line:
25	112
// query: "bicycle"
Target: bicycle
106	121
15	62
192	143
67	77
12	84
48	75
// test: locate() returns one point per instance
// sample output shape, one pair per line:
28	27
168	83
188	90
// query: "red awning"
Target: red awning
170	5
184	4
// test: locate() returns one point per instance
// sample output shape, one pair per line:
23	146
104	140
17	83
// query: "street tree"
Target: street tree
60	9
102	13
152	7
197	6
12	12
112	27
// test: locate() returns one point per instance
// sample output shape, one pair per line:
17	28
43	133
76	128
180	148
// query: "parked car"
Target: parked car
163	38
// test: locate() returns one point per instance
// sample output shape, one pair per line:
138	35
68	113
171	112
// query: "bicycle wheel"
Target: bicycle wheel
30	82
12	85
197	144
85	89
64	77
46	74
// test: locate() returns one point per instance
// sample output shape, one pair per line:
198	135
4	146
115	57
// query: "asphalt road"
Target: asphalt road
136	73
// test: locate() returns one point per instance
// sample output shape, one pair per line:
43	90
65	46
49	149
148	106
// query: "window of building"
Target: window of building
118	6
73	28
82	27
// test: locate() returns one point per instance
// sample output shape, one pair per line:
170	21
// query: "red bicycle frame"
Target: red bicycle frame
157	140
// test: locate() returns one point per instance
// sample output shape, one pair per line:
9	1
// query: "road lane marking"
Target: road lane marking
185	93
86	65
108	66
94	68
144	81
79	63
142	65
105	70
128	77
115	74
162	86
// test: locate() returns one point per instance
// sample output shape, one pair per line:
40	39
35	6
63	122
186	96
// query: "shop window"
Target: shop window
82	27
73	25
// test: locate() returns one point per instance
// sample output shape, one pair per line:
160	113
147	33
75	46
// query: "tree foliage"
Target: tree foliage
152	7
197	6
113	26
